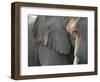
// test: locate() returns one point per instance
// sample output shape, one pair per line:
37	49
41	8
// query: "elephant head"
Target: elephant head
50	31
77	28
55	45
59	39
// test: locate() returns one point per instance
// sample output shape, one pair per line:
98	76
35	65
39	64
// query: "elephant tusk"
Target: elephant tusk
76	51
76	60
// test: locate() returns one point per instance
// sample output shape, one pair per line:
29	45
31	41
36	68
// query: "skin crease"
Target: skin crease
71	28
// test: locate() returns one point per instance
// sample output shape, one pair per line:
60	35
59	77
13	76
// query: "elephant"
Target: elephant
60	40
77	28
54	45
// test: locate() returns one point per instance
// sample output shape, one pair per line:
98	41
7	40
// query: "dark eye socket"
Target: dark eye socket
75	32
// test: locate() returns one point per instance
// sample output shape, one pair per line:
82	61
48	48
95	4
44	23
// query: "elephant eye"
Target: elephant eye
75	32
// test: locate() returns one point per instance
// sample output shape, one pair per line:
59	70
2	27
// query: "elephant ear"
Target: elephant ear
59	42
56	37
39	28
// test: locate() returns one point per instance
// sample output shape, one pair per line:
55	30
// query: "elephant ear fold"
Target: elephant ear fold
45	39
39	28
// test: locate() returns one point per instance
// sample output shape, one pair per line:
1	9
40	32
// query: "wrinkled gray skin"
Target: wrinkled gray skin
60	46
79	39
58	50
83	48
